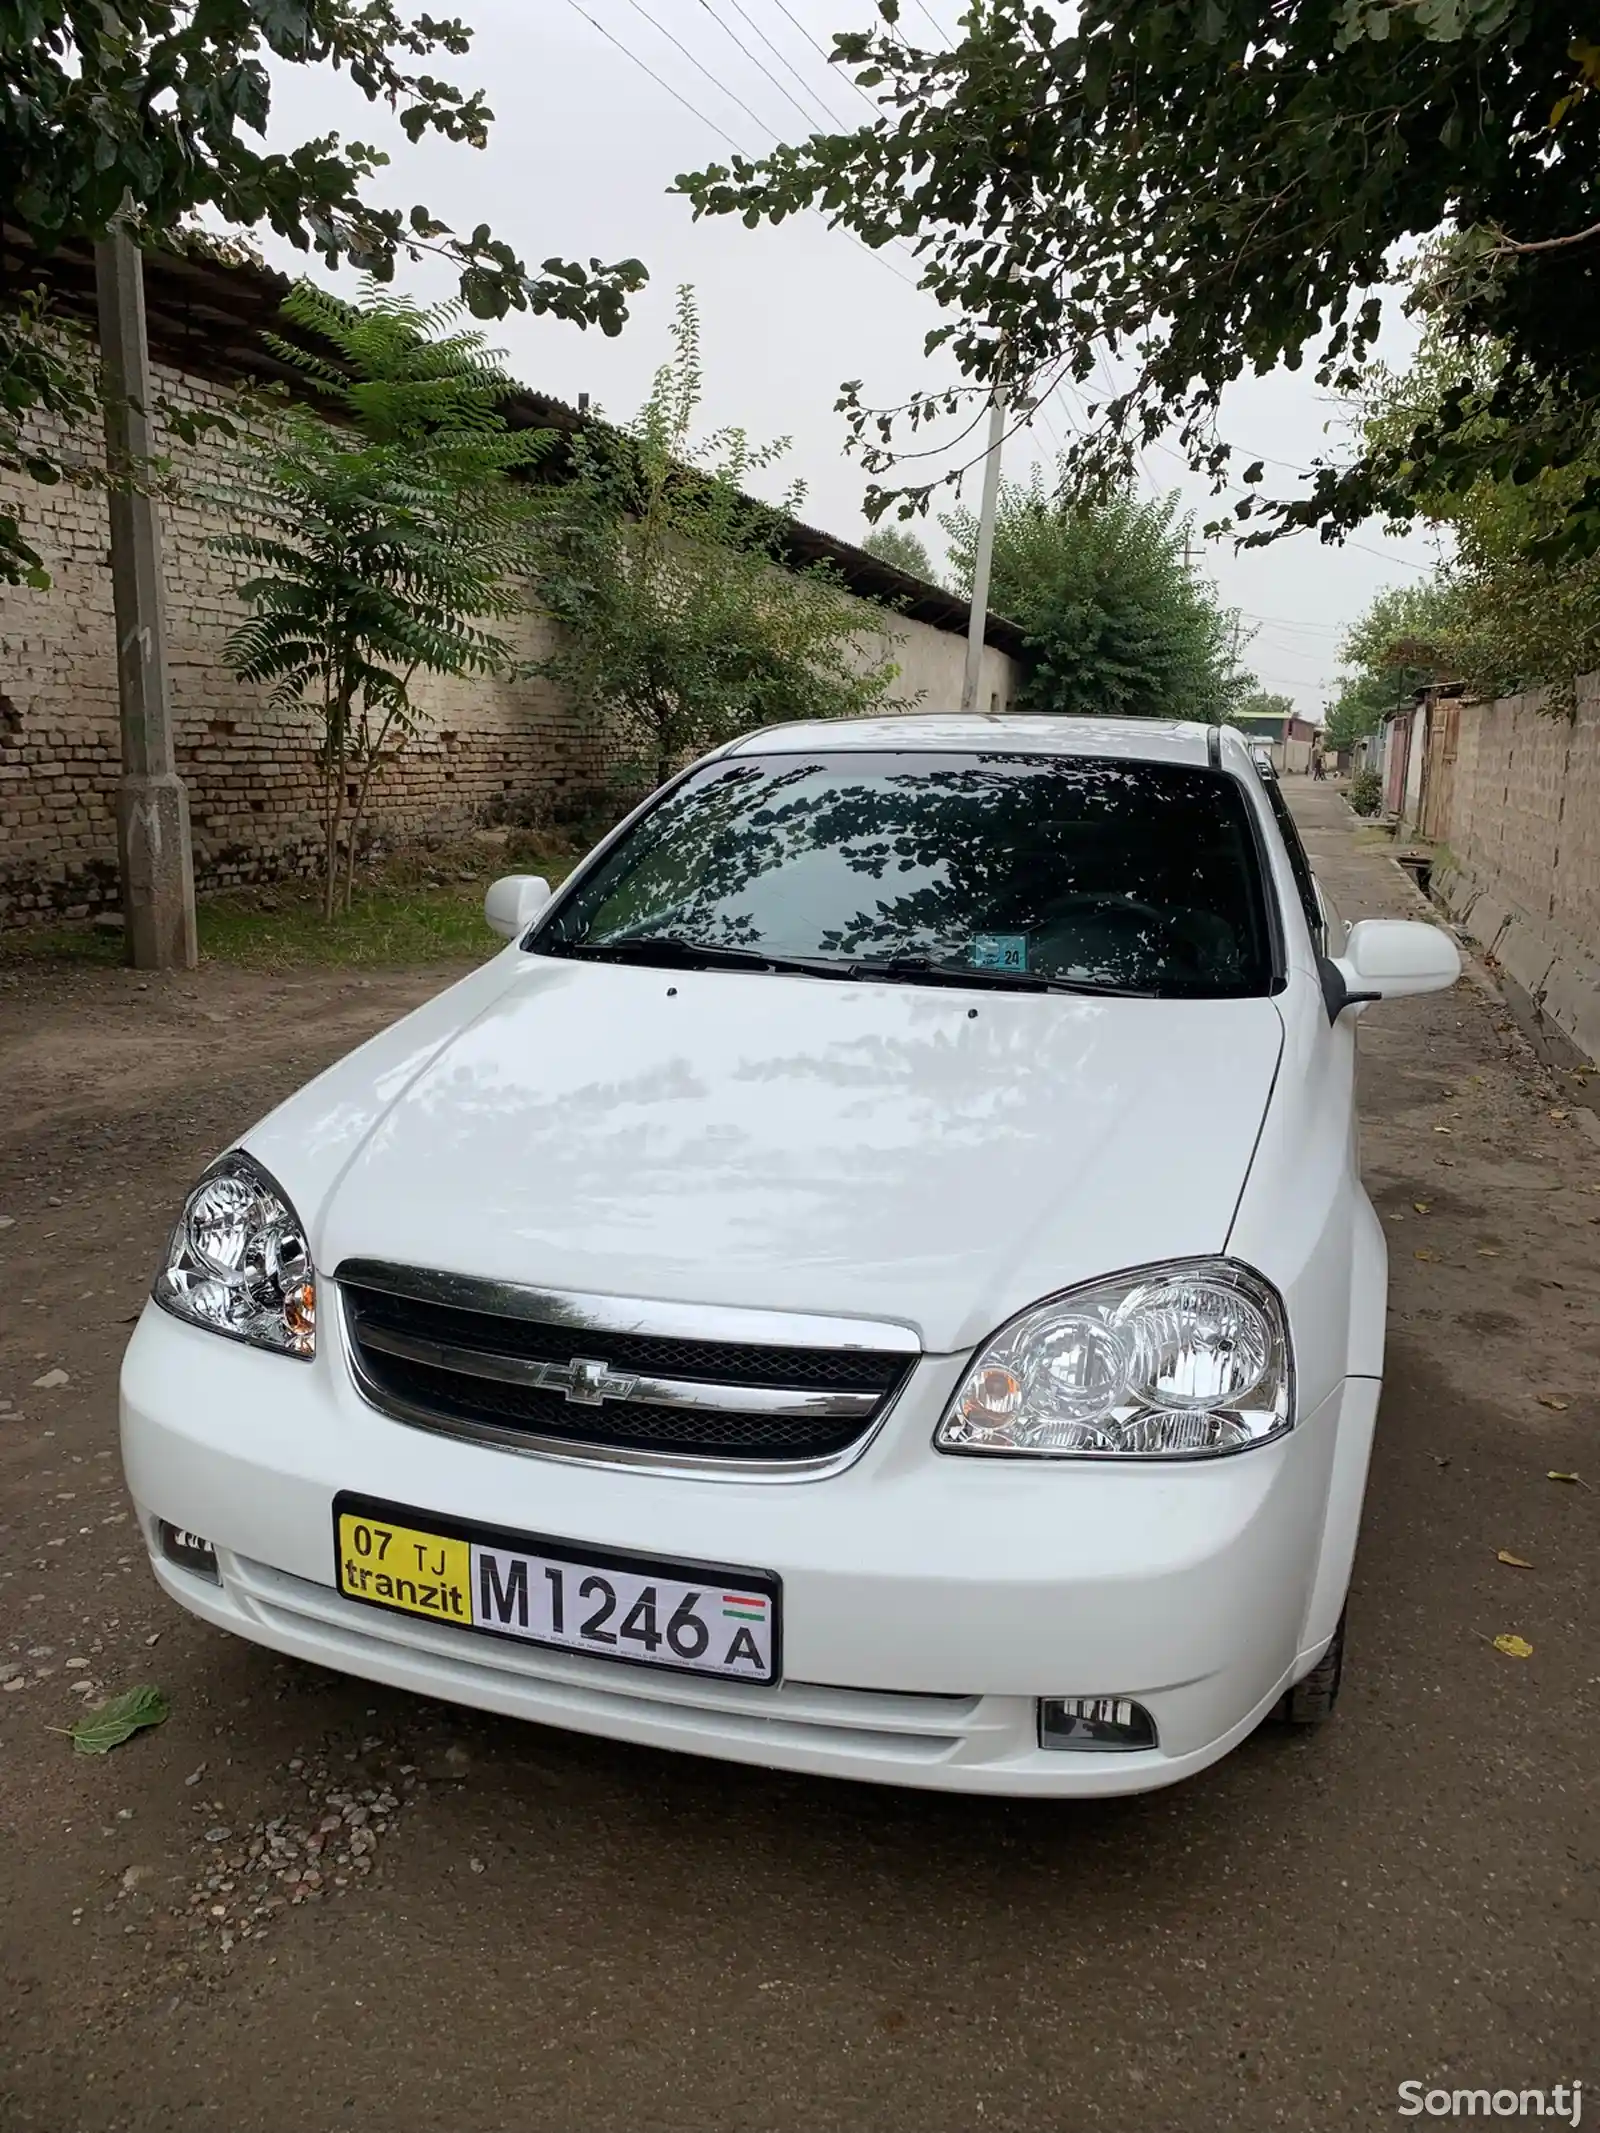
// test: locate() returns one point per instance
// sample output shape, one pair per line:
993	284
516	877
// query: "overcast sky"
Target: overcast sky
584	146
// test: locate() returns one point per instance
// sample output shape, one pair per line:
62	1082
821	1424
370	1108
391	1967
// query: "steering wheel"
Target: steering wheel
1124	913
1116	906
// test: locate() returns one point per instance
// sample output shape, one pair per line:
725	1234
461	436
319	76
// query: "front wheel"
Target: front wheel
1310	1701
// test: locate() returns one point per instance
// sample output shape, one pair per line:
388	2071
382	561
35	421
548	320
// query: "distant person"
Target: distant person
1319	766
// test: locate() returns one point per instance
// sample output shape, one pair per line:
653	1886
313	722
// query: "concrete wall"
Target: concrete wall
489	751
932	663
1520	871
1290	742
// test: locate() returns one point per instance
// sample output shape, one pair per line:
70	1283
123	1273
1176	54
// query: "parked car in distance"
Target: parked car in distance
872	1279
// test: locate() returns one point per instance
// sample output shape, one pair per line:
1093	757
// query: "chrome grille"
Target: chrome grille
592	1376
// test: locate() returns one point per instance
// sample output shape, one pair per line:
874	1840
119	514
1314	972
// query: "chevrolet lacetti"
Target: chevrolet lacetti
872	1279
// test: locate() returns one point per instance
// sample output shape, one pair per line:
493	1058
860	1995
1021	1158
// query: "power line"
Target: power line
753	116
1042	410
928	16
831	117
826	58
1282	622
828	119
720	131
728	31
1384	557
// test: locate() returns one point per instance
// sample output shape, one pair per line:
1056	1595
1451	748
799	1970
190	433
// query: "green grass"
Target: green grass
284	929
383	926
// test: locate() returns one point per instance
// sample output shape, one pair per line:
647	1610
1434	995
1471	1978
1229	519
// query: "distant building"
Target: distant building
1292	740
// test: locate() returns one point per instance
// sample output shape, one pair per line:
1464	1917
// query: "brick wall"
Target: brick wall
1521	873
487	747
488	750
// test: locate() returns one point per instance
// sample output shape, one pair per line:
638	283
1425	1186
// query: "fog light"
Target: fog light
1096	1722
187	1550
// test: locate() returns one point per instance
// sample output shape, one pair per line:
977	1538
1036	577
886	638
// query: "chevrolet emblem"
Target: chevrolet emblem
586	1382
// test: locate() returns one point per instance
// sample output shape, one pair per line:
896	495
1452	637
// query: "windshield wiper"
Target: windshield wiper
922	970
671	951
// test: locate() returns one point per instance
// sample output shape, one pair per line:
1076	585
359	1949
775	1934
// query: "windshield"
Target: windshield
1095	873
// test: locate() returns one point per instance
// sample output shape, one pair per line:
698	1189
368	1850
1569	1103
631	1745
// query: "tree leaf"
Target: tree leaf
1517	1562
1576	1479
1513	1646
100	1731
1554	1399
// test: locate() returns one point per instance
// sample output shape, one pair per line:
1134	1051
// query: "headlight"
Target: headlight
238	1261
1178	1361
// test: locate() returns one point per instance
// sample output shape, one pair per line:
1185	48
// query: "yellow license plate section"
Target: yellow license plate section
418	1573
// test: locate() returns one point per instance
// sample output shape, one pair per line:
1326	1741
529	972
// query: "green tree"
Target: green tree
1398	643
1115	621
382	543
44	370
1519	602
893	544
162	107
1358	709
1213	187
679	620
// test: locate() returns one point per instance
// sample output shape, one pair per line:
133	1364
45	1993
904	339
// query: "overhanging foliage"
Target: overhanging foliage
161	108
1206	188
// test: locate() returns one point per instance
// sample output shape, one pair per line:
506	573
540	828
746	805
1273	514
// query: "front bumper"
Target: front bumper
928	1601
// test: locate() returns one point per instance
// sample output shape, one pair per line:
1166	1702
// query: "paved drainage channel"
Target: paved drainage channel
1551	1045
1418	867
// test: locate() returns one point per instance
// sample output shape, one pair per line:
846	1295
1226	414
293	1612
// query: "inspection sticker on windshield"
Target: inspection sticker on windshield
695	1618
999	951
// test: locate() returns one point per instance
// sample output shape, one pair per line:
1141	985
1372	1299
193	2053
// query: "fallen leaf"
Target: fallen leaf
1488	1251
1441	1129
1422	1206
1424	1252
1517	1562
1558	1114
51	1380
1514	1647
1554	1399
1576	1478
98	1732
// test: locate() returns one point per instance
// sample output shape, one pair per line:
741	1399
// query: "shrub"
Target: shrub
1366	792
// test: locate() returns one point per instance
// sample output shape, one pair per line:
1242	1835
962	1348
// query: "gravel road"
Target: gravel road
304	1904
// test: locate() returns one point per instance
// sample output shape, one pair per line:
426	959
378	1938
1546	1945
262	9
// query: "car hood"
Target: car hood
934	1156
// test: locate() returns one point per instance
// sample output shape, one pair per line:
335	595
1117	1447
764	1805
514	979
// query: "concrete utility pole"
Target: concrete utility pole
153	848
984	558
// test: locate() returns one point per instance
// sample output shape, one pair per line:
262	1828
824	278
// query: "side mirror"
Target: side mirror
514	902
1388	958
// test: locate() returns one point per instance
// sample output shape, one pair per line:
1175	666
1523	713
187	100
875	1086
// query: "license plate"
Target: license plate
695	1618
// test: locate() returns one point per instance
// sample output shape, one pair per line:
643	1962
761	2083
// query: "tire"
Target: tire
1312	1700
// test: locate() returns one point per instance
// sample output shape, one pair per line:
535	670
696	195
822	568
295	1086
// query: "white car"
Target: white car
873	1280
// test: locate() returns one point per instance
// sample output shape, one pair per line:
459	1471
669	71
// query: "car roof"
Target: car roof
1149	740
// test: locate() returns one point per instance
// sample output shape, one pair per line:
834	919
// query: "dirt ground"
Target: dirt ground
307	1904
